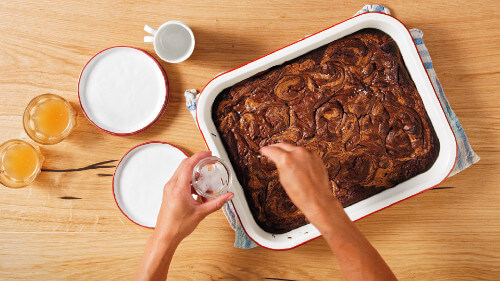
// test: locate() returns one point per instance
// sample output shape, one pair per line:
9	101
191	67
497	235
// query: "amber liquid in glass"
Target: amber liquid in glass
51	117
48	119
20	163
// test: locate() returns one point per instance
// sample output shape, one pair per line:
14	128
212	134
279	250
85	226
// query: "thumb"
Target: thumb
215	204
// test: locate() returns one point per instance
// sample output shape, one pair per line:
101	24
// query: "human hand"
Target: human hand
180	213
305	179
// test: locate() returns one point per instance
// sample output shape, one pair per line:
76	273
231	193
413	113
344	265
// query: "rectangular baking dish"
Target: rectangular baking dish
432	177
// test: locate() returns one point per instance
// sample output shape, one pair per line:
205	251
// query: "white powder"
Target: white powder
211	178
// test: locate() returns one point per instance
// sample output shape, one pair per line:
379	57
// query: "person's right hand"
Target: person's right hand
305	180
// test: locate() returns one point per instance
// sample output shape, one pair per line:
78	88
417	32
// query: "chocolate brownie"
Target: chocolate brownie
351	101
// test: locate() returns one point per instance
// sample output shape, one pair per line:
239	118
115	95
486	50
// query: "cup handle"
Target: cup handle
150	30
149	39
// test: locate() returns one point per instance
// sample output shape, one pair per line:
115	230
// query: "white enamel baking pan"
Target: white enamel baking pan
427	180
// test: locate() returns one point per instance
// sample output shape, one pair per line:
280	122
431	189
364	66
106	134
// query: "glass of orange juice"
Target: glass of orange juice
48	119
20	163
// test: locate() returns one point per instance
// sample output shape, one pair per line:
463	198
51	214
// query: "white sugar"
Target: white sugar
212	178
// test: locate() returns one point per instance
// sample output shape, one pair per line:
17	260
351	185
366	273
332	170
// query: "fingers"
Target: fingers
280	153
276	153
185	169
195	158
175	176
215	204
285	146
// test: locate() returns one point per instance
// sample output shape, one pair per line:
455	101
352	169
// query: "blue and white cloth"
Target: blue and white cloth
465	157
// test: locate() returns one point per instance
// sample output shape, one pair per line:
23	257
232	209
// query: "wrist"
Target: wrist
330	219
169	237
163	244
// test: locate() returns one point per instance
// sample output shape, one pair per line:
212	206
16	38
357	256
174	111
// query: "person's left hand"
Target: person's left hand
180	213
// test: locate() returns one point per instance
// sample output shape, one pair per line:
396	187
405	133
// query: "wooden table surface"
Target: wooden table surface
443	234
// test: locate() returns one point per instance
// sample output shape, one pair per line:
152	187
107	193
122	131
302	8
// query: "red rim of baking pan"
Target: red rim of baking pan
117	165
222	73
160	113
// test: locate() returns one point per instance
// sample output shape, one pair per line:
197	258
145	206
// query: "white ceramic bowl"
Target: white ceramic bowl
427	180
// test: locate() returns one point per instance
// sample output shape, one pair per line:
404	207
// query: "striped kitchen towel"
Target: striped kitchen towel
465	157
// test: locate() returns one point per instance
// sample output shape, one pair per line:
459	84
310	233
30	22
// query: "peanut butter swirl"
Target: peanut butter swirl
352	102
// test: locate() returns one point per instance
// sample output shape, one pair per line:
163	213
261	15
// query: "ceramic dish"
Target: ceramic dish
432	177
140	177
123	90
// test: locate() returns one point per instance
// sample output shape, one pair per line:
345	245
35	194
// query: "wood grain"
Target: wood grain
67	226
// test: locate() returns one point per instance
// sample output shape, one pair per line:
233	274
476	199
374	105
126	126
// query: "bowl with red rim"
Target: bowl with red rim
123	90
438	172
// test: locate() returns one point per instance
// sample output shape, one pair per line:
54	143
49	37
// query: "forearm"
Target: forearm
157	257
358	259
306	181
